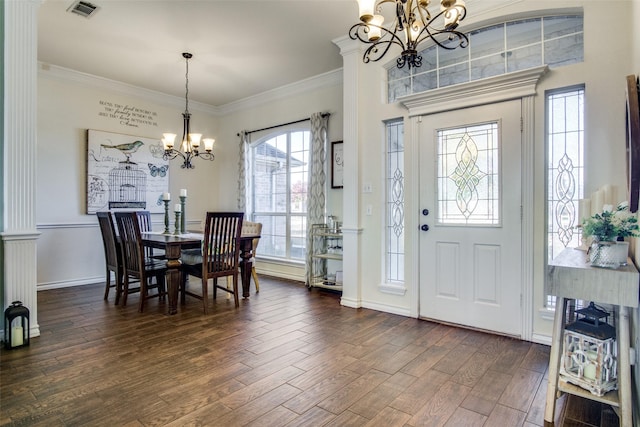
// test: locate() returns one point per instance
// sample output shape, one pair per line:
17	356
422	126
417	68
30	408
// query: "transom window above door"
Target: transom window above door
494	50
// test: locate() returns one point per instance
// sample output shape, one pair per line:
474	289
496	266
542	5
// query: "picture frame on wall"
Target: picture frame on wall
633	142
337	164
125	172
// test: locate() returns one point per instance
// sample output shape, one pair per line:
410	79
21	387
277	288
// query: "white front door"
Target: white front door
470	201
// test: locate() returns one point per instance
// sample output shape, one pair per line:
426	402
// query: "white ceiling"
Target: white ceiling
240	48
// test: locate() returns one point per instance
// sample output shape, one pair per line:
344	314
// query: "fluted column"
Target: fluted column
351	229
19	233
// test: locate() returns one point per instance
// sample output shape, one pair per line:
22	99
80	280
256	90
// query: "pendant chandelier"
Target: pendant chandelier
412	25
190	145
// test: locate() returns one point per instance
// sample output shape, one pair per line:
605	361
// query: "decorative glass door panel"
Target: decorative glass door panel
468	175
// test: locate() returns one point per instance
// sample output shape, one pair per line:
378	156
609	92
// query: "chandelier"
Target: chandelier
190	141
412	25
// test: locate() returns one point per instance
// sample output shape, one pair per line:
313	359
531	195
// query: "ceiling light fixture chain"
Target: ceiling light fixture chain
413	24
190	141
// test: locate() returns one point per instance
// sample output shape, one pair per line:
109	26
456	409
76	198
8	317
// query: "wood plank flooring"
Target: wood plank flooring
286	357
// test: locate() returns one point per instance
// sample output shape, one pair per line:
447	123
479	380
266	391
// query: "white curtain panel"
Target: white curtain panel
243	175
316	187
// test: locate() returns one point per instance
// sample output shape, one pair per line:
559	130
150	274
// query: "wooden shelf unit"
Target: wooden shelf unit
571	277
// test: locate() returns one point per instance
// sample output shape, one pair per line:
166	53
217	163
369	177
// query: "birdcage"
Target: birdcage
127	187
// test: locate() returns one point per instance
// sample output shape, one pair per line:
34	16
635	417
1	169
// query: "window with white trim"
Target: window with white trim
394	230
565	169
279	193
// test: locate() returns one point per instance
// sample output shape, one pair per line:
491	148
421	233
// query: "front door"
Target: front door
470	201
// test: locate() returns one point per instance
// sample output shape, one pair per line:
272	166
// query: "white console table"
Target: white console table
571	277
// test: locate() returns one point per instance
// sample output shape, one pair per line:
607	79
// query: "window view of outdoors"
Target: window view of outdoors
279	189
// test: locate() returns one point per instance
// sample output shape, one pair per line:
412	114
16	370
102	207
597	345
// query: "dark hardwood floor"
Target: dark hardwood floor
287	356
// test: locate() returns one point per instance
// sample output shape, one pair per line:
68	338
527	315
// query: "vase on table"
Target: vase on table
608	254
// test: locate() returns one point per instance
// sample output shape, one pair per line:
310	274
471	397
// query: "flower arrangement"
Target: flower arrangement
611	225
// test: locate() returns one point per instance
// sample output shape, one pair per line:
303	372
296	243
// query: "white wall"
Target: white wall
70	247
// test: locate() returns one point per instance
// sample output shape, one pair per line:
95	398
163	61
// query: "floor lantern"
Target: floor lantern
16	325
589	358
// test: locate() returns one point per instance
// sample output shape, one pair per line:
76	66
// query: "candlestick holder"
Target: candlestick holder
183	201
166	216
177	232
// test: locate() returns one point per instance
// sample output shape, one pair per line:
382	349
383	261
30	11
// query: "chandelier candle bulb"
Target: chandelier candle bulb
208	144
366	9
374	27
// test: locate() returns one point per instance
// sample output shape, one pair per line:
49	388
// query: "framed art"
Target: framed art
337	164
633	142
125	172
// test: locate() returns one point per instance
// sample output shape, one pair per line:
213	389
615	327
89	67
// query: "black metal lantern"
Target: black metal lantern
16	325
590	358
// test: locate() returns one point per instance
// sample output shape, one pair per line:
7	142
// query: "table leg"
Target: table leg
559	320
174	275
624	368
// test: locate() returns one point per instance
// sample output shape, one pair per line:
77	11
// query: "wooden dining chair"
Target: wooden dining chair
136	264
144	220
219	256
113	257
249	227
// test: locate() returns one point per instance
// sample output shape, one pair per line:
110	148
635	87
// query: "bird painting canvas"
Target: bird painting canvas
125	172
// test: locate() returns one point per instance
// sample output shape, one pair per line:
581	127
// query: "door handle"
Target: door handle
424	227
425	212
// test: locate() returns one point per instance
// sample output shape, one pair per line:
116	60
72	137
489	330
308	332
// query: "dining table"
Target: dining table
173	244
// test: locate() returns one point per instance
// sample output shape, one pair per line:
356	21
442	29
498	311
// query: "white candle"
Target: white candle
17	336
178	208
590	371
597	201
584	209
166	196
607	191
183	192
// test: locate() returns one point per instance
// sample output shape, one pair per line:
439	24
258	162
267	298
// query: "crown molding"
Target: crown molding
328	79
76	77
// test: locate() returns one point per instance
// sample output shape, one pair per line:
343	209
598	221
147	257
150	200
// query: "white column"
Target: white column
19	233
351	229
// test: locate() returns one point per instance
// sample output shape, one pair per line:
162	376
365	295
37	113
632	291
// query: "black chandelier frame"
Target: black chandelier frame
407	17
190	151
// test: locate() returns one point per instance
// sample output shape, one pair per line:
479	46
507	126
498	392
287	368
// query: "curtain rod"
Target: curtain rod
284	124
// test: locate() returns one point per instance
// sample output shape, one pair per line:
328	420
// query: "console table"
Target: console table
571	277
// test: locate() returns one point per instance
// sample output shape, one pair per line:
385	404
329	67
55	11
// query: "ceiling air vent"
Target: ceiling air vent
82	8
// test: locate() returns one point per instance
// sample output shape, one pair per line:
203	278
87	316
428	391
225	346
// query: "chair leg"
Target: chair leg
255	279
125	290
119	280
235	290
205	294
143	293
106	289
